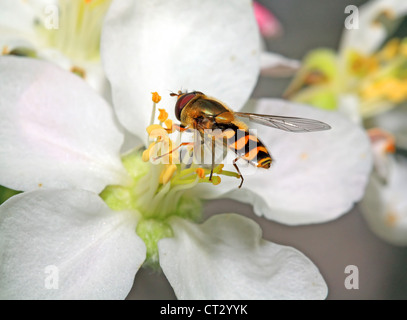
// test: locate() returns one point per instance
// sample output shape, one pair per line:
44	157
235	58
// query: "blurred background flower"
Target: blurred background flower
65	32
365	79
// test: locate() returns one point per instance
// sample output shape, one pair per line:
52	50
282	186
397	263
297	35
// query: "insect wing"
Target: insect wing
291	124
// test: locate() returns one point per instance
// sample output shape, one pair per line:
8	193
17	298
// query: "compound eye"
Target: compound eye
182	102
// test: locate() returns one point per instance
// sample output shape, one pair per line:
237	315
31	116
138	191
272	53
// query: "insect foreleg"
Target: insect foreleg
168	153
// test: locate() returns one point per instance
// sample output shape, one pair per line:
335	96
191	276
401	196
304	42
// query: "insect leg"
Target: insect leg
181	145
213	158
178	127
238	171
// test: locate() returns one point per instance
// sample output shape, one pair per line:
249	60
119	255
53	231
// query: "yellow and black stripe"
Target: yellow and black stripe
250	148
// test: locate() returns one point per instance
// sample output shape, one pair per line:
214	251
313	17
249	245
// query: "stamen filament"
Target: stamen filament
173	197
230	174
79	29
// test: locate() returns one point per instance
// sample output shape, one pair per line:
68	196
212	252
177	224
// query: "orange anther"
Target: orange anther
156	97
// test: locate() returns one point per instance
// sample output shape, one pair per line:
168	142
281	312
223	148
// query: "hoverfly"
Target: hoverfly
197	111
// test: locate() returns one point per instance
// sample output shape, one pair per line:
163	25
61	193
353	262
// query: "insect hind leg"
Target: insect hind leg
238	171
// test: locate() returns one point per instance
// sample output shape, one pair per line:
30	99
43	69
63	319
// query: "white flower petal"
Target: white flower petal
315	176
92	69
276	65
54	130
19	20
16	25
72	235
210	46
17	15
385	205
369	35
225	258
9	40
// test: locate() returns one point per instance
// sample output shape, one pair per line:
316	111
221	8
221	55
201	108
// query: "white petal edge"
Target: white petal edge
66	244
276	65
316	176
369	36
384	205
225	258
210	46
56	132
93	70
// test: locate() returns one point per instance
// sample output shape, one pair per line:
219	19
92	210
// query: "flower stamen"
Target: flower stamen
163	115
159	186
167	173
79	72
200	173
5	50
156	97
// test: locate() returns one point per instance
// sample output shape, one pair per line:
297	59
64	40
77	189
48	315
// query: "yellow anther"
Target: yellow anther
147	153
390	50
393	89
168	124
370	91
152	127
79	72
156	131
403	47
200	172
167	174
396	90
156	97
389	14
5	50
361	64
386	14
163	115
216	180
145	157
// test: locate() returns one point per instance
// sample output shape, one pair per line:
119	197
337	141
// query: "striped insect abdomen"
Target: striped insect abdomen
249	148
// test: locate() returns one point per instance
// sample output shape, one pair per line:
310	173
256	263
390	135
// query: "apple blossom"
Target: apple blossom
97	215
66	32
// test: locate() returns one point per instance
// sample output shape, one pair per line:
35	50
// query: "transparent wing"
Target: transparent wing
291	124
